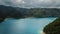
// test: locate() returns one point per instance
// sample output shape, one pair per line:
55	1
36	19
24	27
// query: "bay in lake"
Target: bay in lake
24	26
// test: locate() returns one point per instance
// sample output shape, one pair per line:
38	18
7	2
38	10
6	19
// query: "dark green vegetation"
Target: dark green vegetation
16	12
53	28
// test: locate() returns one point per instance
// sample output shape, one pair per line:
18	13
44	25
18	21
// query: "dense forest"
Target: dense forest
16	12
53	28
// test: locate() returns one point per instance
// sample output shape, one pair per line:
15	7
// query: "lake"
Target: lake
24	26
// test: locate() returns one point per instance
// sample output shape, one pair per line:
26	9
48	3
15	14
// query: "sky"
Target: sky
31	3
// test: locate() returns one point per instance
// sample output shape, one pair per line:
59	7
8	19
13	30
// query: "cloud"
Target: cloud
31	3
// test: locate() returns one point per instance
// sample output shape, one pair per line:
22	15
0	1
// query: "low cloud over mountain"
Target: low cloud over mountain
31	3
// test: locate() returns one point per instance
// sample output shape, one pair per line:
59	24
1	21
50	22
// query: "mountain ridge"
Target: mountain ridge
16	12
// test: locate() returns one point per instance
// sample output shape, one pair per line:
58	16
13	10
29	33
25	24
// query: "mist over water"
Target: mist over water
24	26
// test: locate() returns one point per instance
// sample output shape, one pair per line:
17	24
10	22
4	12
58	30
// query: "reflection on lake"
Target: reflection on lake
24	26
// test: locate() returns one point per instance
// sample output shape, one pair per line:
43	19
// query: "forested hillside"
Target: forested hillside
16	12
53	28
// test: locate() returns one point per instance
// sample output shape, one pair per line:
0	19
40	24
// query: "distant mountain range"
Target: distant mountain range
16	12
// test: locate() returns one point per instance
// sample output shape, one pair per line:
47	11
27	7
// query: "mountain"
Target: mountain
9	12
44	12
16	12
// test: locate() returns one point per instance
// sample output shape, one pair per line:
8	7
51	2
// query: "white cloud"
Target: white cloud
19	1
31	3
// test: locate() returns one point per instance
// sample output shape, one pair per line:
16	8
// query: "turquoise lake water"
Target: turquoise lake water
24	26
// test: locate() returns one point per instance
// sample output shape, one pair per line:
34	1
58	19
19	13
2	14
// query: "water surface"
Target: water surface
24	26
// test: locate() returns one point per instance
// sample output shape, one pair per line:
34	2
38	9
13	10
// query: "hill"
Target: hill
53	28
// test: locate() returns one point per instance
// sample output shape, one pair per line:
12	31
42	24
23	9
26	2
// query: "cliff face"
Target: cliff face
53	28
